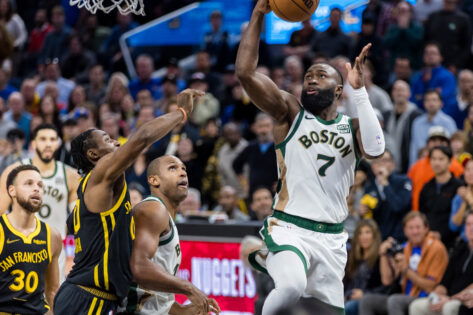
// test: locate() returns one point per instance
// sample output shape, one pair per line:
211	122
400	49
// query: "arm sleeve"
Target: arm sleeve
456	204
372	136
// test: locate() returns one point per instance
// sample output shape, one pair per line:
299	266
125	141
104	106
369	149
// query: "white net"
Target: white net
124	6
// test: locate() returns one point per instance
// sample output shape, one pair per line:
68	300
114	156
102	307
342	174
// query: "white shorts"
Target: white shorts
323	254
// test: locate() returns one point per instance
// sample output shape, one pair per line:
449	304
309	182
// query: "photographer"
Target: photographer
456	287
418	267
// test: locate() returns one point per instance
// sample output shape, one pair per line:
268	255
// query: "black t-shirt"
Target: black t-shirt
459	273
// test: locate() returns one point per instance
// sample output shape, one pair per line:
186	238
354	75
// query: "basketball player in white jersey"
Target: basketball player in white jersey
156	253
317	150
60	184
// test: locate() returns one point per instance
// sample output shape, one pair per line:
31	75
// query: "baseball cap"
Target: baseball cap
439	132
197	77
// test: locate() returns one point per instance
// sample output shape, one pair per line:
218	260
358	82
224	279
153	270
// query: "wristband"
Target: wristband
184	114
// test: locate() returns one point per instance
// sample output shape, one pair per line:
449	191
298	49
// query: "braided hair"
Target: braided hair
79	147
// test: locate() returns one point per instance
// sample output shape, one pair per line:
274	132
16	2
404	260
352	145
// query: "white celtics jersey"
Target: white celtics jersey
316	167
168	255
55	208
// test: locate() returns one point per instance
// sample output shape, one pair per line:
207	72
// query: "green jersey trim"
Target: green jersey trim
330	122
293	131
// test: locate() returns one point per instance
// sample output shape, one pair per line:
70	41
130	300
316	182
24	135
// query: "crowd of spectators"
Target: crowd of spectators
409	209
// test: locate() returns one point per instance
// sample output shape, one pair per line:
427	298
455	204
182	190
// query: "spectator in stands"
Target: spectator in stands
216	42
186	153
261	204
362	271
259	156
300	40
436	196
406	31
49	111
433	76
294	70
462	202
5	88
377	54
92	34
227	208
468	129
456	285
77	61
110	49
31	97
333	42
232	147
207	106
419	267
190	206
398	124
144	79
203	65
55	43
116	90
69	131
423	8
451	29
392	193
39	32
95	90
14	24
457	144
136	173
16	141
137	193
464	96
110	123
52	72
5	124
18	114
169	92
421	172
379	98
241	110
381	13
433	116
402	70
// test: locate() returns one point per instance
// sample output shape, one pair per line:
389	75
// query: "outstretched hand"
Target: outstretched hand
187	98
262	6
355	73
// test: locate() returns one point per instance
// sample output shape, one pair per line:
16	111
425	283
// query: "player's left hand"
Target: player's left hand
355	73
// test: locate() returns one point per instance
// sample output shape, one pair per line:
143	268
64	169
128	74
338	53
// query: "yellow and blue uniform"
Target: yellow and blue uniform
101	275
23	264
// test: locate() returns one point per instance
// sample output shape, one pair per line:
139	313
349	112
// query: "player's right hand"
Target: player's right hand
187	98
262	6
199	300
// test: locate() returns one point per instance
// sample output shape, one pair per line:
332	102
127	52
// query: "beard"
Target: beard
43	159
317	102
28	205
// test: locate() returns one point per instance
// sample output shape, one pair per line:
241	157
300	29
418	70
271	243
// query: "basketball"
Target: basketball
294	10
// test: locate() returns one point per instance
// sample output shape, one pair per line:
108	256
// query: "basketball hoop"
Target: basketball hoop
124	6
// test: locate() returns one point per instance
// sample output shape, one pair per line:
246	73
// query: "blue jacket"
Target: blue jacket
441	79
394	201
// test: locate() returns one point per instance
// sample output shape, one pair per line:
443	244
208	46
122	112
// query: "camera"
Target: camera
396	248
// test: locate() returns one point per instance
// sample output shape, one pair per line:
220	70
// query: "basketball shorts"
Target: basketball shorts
75	299
320	246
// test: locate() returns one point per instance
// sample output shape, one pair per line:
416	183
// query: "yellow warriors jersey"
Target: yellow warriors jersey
103	244
23	264
316	168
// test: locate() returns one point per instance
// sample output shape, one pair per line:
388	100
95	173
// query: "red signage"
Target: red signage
216	269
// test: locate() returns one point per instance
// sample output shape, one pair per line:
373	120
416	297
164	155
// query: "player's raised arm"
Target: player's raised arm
368	130
111	167
52	273
261	89
150	223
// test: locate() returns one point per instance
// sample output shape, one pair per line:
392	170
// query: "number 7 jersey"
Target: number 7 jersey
316	168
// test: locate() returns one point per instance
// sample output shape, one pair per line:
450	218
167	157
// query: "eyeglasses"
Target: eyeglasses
50	61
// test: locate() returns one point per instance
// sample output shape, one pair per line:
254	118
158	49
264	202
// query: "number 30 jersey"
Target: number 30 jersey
316	168
23	264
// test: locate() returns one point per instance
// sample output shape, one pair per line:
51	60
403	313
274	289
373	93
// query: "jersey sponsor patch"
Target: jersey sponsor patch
343	128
